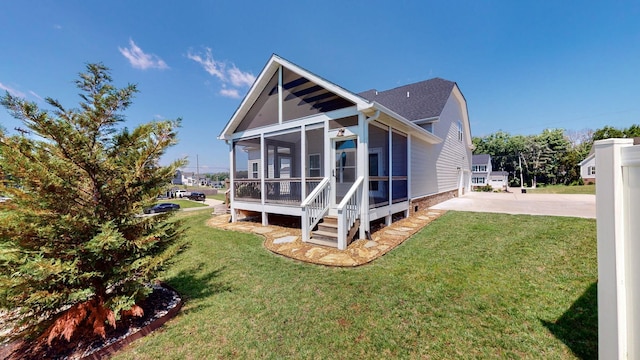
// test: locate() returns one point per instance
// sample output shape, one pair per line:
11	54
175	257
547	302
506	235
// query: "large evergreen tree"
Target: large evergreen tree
74	250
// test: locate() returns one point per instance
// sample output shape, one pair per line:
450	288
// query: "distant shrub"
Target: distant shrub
486	188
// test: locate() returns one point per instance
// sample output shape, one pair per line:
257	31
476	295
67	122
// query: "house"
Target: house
482	174
178	178
302	146
188	179
480	170
588	168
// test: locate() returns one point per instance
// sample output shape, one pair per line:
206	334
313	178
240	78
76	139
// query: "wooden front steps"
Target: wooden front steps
327	233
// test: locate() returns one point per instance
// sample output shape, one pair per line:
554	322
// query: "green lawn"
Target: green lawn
470	285
563	189
184	204
218	196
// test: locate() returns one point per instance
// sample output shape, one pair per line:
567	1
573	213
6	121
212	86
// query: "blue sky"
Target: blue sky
522	66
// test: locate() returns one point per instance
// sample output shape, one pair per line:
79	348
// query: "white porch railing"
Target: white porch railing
314	207
618	229
349	211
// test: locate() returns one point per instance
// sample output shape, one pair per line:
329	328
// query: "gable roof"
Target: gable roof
587	159
429	98
263	79
480	159
432	95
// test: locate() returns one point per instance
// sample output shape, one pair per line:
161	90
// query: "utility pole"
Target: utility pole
520	165
197	170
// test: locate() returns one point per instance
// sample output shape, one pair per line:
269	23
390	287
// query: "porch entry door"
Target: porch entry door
345	155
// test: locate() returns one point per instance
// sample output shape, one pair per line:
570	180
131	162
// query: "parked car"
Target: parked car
181	193
197	196
162	207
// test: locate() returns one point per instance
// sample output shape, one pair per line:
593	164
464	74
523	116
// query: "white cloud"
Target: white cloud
213	67
227	73
140	60
240	78
12	91
231	93
57	27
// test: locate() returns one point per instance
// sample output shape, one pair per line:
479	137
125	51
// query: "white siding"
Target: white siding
423	171
438	168
454	155
584	173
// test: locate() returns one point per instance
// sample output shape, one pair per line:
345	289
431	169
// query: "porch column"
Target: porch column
363	160
388	219
232	192
303	162
409	197
265	166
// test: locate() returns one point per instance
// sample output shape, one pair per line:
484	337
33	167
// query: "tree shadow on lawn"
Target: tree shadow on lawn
192	285
578	326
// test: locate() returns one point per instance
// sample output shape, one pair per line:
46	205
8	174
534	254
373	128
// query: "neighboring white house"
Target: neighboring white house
184	178
588	169
482	173
480	170
302	146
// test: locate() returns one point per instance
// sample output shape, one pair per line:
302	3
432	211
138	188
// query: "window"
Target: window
314	165
477	180
459	130
255	171
482	168
591	170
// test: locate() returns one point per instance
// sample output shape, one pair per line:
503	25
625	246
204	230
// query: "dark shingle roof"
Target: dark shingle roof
425	99
481	159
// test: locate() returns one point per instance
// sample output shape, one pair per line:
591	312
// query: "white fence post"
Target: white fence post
613	307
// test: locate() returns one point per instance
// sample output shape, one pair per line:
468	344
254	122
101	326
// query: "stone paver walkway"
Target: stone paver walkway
288	241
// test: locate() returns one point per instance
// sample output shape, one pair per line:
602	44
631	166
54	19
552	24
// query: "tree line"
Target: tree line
551	157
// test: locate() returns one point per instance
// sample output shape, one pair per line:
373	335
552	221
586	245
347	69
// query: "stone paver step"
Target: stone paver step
322	248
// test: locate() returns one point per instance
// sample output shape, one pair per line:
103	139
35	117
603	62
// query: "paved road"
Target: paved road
583	206
211	203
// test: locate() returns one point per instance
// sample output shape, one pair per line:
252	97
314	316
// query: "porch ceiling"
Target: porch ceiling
307	92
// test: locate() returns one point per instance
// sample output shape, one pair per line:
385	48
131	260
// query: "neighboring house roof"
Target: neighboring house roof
587	159
433	95
499	173
481	159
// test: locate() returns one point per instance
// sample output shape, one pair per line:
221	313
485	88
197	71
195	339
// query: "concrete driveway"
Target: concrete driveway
583	206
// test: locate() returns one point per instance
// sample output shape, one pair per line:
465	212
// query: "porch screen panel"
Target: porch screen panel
314	153
378	166
302	97
265	110
399	187
246	182
283	178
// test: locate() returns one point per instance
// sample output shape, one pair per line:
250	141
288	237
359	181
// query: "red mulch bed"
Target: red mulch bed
161	305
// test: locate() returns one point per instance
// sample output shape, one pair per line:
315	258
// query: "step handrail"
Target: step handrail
315	192
315	206
349	211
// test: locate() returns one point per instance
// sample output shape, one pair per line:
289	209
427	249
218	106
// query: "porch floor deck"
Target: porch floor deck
287	241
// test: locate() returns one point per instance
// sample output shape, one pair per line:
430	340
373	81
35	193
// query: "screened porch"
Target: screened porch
287	165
